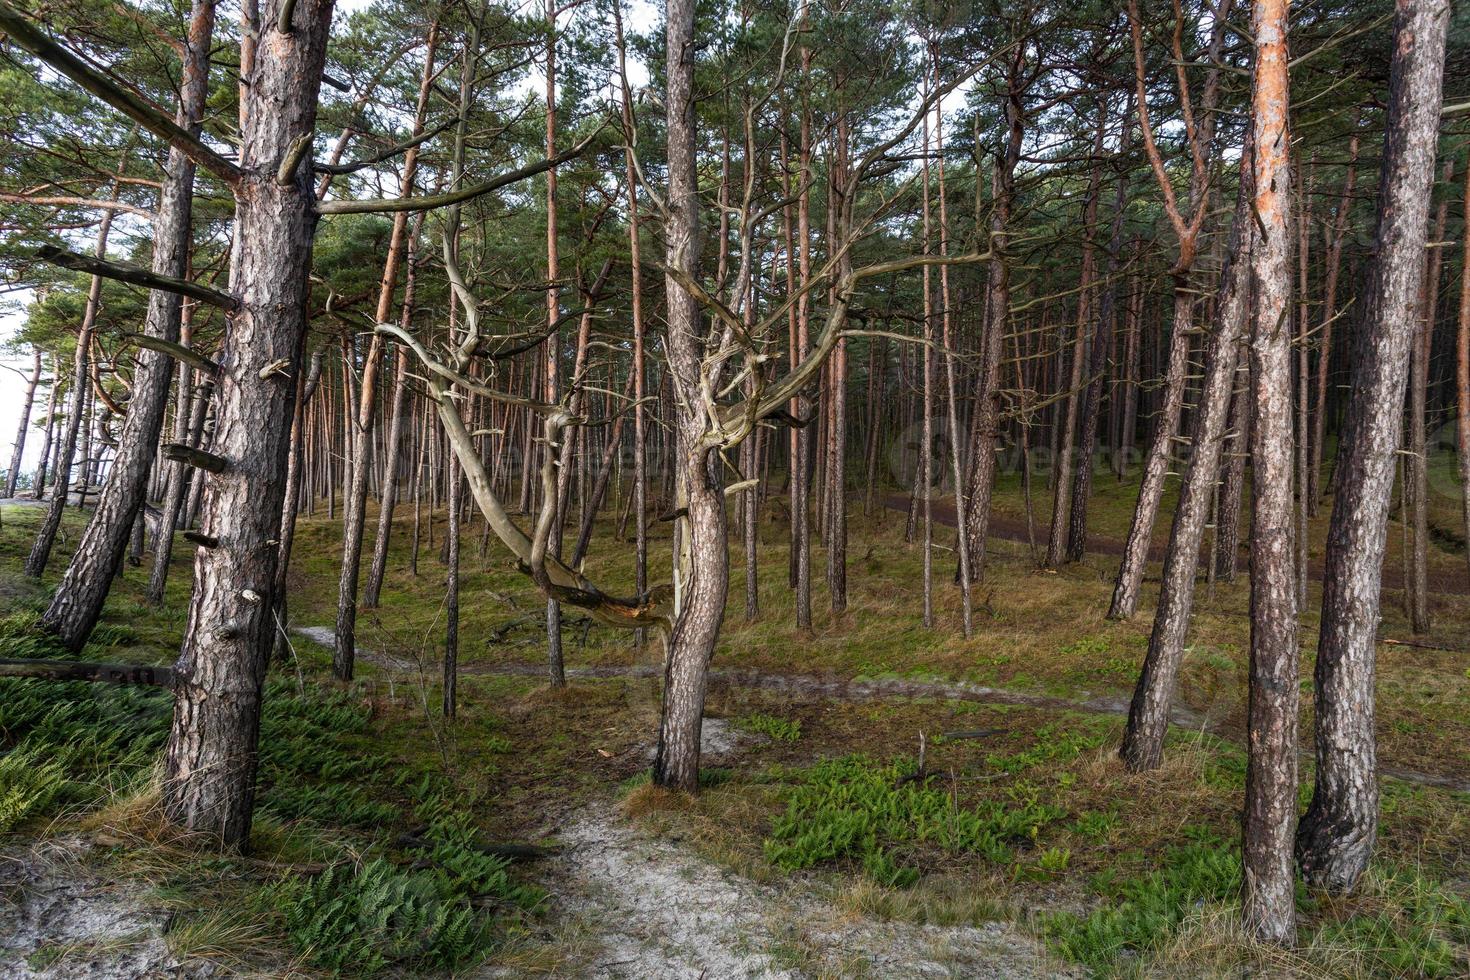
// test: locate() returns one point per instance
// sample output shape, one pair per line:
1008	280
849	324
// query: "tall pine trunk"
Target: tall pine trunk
1338	832
210	757
83	588
1268	889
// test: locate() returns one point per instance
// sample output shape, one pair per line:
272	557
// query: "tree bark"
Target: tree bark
703	564
1268	893
1148	715
210	758
83	589
1337	834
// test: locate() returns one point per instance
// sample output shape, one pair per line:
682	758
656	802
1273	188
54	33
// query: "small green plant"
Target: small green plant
28	784
780	729
855	809
1054	860
1141	910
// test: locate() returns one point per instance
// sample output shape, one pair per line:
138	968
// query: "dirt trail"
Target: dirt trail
1010	528
655	910
58	919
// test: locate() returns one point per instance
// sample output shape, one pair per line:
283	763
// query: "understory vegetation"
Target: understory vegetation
369	853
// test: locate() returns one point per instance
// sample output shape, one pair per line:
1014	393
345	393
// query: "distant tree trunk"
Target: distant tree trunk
1462	370
38	486
210	757
389	496
1148	715
703	572
67	446
13	474
1417	460
1232	485
925	483
178	488
451	593
987	420
1333	261
289	504
83	588
951	385
1268	890
1338	832
1097	367
361	420
1066	465
801	532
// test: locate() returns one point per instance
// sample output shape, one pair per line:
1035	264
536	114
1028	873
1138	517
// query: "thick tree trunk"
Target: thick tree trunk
83	588
16	455
1268	890
210	758
704	564
1148	715
1337	834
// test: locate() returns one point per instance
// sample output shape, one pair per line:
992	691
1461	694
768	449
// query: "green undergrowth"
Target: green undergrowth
883	816
373	860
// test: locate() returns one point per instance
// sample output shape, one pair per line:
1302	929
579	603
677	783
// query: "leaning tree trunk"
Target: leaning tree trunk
1338	832
987	417
363	420
705	558
83	588
1097	366
13	474
210	758
1232	483
38	485
67	445
1268	889
1148	715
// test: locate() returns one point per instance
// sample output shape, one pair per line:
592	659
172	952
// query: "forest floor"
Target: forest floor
1021	850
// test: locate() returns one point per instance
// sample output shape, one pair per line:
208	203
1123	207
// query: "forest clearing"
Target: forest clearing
770	489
